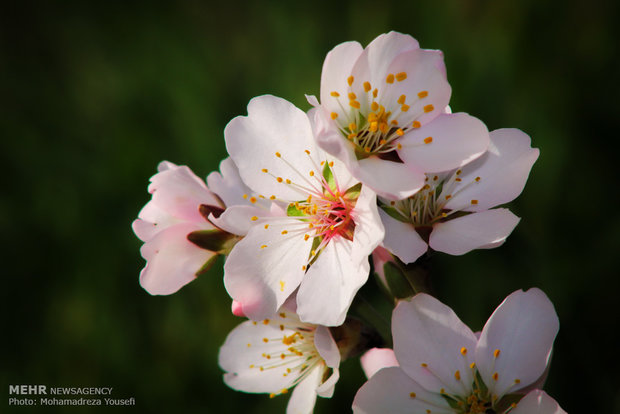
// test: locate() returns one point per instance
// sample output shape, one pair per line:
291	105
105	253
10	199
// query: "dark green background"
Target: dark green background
94	96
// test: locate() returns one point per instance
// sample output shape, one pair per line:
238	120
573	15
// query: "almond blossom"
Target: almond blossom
164	224
382	113
453	212
445	368
320	229
282	353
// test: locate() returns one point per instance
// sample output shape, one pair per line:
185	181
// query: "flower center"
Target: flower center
375	120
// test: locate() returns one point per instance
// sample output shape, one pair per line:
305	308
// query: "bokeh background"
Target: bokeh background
93	96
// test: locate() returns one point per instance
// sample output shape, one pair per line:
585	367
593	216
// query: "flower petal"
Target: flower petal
238	219
377	358
537	402
391	391
336	70
503	171
401	239
516	341
303	399
432	345
273	126
486	229
172	260
450	141
261	278
227	184
326	346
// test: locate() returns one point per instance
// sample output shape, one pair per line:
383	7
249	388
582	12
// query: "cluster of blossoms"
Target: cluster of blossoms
379	167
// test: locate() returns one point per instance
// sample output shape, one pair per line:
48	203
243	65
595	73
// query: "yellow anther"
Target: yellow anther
311	173
423	365
367	86
309	199
306	237
354	104
400	132
288	181
272	395
334	115
310	226
312	252
284	232
307	152
263	246
261	368
459	172
394	122
477	179
374	106
422	94
249	345
497	351
352	135
352	96
282	315
350	80
283	391
373	126
254	218
265	321
392	203
278	154
253	322
279	179
303	267
428	140
331	163
252	200
401	76
367	150
375	92
416	124
383	127
517	381
402	99
352	126
245	196
390	78
457	375
472	365
282	356
474	202
335	94
272	197
382	142
448	197
281	290
428	108
412	394
265	170
372	116
458	180
495	376
442	391
265	340
404	108
399	146
463	351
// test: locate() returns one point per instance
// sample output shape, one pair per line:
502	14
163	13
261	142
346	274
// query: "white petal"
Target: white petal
326	346
227	184
503	171
401	239
304	395
389	179
455	140
336	70
377	358
432	344
172	260
523	329
238	219
327	289
242	363
486	229
261	278
392	391
537	402
273	125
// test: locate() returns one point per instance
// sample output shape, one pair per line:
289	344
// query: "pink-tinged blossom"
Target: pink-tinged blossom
163	225
321	228
453	211
282	353
445	368
383	113
376	359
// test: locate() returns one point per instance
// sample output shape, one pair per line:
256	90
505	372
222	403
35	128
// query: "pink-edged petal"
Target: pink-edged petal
380	53
450	141
327	289
485	229
273	126
179	192
369	230
336	70
392	391
516	341
304	394
392	180
377	358
237	309
172	260
401	239
503	171
265	267
432	345
238	219
537	402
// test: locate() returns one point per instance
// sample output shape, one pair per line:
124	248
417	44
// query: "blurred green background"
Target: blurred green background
93	96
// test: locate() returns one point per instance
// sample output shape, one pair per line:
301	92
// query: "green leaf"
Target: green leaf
353	193
293	211
329	177
392	212
397	281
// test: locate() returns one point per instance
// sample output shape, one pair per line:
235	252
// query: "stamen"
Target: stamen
390	78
